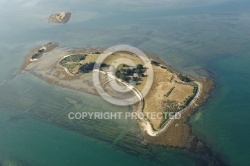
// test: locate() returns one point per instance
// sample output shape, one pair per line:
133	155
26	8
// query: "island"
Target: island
171	91
60	17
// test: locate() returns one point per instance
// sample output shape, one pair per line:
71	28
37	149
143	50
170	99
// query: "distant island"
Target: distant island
60	17
171	91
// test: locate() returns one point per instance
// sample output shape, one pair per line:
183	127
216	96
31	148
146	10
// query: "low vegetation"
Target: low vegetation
87	67
170	91
73	61
184	78
73	58
38	54
191	97
153	62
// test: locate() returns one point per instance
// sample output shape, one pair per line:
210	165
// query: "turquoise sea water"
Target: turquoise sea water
224	122
189	38
37	143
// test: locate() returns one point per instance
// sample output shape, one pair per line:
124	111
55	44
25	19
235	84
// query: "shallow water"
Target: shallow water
224	122
175	35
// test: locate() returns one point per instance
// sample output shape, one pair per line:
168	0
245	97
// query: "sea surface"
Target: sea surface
211	41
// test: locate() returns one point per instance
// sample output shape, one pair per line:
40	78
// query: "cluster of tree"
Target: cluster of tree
190	98
184	78
87	67
195	90
127	73
104	65
153	62
38	54
121	75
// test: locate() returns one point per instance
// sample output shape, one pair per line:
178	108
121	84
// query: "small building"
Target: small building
135	75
